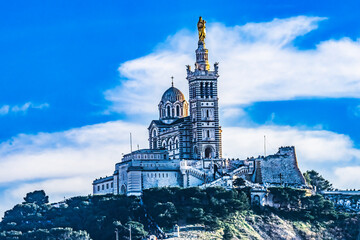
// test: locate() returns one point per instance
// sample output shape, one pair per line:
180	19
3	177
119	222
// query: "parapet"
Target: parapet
280	169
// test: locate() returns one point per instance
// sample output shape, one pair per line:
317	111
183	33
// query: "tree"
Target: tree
228	235
316	180
38	197
287	197
239	182
165	214
137	230
317	206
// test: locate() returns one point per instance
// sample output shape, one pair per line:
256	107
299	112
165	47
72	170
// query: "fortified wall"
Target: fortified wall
279	169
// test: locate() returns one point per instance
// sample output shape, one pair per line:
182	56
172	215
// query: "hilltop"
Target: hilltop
217	214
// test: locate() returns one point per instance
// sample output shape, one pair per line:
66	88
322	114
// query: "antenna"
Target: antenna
264	145
138	147
130	143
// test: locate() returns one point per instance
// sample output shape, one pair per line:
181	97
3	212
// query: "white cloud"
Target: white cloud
5	109
56	188
258	62
348	177
90	150
63	163
22	108
313	146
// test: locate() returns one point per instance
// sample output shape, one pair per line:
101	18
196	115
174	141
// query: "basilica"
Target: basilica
185	146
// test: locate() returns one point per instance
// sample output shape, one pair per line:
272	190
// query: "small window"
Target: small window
166	175
102	187
112	185
98	187
168	111
163	175
178	110
107	186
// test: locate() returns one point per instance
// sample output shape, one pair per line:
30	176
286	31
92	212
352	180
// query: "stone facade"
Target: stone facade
350	200
279	169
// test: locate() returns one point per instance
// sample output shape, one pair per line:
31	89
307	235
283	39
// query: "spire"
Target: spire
202	62
201	30
172	81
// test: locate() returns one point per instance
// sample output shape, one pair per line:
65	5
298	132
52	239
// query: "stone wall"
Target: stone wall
153	179
103	185
280	168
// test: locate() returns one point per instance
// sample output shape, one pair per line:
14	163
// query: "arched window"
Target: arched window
176	143
168	111
208	133
208	152
164	144
201	90
123	189
211	90
178	111
195	152
170	144
256	200
173	112
207	113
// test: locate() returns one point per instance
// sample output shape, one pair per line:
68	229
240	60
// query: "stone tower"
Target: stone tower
203	103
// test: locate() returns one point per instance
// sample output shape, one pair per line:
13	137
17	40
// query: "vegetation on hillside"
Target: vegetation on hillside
226	212
317	181
193	205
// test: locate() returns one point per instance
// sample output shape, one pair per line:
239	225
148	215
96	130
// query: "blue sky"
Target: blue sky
73	72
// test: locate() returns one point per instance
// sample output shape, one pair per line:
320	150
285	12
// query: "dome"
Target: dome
172	95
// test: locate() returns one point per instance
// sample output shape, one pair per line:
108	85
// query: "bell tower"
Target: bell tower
203	102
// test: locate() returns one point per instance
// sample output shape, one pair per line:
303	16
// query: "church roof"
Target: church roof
160	123
172	95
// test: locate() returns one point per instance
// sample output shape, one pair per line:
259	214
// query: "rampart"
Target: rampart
279	169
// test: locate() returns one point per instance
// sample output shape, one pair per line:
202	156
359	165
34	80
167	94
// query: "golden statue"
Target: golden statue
201	29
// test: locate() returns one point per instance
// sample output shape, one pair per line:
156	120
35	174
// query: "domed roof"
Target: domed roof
172	95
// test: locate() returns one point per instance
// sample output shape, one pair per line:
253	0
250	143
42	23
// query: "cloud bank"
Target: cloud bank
258	62
6	109
63	163
66	163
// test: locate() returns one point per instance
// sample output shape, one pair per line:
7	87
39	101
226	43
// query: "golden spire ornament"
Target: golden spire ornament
201	29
